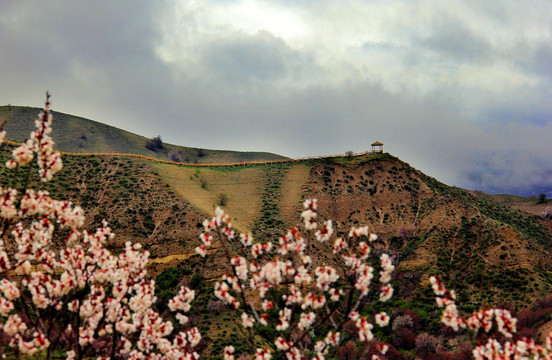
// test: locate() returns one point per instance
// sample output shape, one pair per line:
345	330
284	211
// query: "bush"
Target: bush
222	199
425	343
402	321
155	144
196	281
547	213
175	156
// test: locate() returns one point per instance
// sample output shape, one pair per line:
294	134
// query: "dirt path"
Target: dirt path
169	258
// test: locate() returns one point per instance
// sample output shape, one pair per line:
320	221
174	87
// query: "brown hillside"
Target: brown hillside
429	226
489	252
465	240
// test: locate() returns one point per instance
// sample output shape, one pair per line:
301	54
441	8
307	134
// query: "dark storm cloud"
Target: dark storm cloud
92	56
243	58
542	59
455	40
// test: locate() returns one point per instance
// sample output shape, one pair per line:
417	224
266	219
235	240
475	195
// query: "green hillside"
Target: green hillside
77	134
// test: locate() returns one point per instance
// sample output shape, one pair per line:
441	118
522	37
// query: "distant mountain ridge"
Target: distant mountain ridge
77	134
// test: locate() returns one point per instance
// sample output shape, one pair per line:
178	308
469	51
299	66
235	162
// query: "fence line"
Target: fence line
241	163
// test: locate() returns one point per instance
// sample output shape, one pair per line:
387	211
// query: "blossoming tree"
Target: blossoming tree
60	288
488	320
280	286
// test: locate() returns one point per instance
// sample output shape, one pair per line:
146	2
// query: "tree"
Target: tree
155	143
542	199
71	293
494	323
278	287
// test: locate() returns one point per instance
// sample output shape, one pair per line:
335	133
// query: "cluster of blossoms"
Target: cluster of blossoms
65	282
502	320
41	144
310	296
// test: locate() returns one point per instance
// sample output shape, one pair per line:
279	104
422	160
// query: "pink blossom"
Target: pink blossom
325	232
282	344
382	319
263	354
229	353
364	329
247	321
306	320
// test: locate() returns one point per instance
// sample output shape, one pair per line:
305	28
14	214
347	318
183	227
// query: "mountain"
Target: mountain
80	135
491	253
488	249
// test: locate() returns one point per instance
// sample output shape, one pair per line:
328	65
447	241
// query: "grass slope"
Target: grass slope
77	134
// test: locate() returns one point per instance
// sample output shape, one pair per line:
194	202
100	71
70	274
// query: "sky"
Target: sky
459	89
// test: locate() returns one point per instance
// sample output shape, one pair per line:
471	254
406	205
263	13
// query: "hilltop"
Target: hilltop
81	135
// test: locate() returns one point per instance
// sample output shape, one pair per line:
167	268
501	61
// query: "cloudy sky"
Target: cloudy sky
460	89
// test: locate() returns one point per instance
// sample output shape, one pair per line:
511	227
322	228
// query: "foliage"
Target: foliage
155	144
175	156
547	213
222	199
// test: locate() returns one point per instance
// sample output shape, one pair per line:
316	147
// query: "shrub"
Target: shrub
222	199
175	156
402	321
425	343
196	281
155	144
547	213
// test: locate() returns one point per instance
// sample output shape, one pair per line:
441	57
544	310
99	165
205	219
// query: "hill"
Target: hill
77	134
527	204
429	226
490	253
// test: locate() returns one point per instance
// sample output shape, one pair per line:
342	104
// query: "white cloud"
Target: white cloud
419	46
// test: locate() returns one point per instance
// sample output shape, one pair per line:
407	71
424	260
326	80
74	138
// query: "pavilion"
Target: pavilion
377	148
